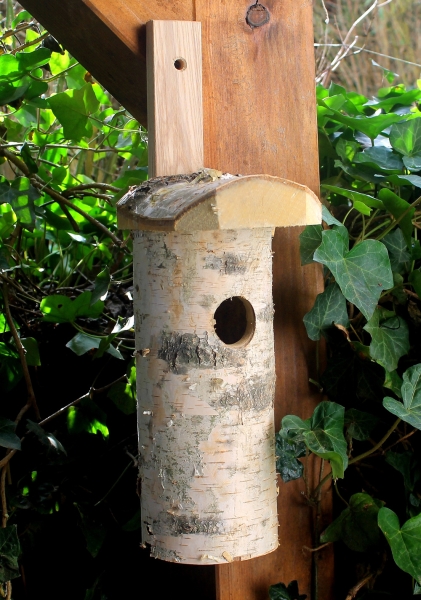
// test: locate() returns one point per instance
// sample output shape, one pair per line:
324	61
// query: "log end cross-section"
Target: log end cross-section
210	200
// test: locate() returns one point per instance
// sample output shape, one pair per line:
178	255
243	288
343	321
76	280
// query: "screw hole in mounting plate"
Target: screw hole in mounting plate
235	321
180	64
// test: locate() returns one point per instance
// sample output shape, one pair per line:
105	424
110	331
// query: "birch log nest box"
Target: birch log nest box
205	359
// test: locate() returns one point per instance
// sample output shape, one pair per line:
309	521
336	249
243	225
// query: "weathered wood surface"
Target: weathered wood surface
175	108
211	200
259	117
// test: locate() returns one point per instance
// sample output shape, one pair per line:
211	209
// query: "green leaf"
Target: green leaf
281	592
21	198
31	60
355	196
406	465
404	541
82	343
87	417
45	437
94	532
371	126
329	219
310	240
32	352
415	281
27	158
410	410
134	523
397	207
393	382
102	283
406	137
412	163
359	424
357	525
287	452
73	108
61	309
322	434
329	308
397	248
361	273
382	157
9	553
124	394
389	340
8	438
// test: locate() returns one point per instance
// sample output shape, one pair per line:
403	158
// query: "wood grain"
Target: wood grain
259	115
208	202
175	114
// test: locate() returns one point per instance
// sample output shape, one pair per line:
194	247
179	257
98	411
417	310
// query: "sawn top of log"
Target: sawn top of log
211	200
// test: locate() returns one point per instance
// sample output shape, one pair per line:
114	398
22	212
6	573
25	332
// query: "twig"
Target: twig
354	590
88	186
4	514
316	549
21	351
31	43
360	456
40	184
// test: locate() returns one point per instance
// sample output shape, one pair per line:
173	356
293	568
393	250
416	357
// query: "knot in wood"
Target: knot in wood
257	15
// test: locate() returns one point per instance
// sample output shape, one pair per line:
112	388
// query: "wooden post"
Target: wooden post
259	117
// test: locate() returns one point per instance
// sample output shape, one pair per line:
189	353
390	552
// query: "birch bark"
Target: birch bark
206	431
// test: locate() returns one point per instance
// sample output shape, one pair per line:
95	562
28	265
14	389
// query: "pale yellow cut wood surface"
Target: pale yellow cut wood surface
221	201
175	113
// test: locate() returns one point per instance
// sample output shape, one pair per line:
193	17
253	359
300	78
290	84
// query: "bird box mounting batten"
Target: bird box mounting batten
205	359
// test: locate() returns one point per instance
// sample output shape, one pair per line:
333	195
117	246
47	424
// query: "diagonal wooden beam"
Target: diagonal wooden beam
108	38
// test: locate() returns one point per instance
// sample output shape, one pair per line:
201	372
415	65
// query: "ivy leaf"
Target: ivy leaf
27	158
45	437
9	553
329	308
8	438
398	250
73	108
412	163
32	352
406	137
93	532
389	340
359	424
355	196
310	240
415	281
22	199
397	207
61	309
404	541
407	465
322	434
88	417
371	126
281	592
361	273
102	283
393	382
124	394
287	452
82	343
382	157
357	525
410	410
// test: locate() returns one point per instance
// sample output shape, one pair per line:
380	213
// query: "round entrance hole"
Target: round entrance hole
235	321
180	64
